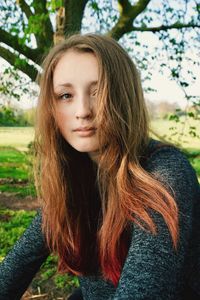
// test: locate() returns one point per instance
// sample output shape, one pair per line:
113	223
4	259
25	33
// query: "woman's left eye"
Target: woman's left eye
94	93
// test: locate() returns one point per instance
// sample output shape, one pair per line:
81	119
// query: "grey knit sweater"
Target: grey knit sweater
153	270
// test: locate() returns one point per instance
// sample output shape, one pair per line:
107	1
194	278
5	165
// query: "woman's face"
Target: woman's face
75	85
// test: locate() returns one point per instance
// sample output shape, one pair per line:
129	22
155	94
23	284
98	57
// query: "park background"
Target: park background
162	37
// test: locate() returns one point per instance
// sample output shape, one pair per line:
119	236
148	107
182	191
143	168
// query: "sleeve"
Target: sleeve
153	270
23	261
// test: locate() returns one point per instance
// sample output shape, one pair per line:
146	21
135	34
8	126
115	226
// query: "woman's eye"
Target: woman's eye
65	96
94	93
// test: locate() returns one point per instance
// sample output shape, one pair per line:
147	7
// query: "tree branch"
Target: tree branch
25	8
128	13
132	10
40	6
21	64
74	10
44	38
165	27
14	42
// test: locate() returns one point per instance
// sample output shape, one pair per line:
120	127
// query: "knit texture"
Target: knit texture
153	269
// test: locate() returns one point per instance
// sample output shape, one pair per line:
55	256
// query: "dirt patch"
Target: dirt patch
9	200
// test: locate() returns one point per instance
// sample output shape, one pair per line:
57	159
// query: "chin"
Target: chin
85	148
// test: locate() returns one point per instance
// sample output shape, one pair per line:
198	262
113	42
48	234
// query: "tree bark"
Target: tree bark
74	10
20	64
128	13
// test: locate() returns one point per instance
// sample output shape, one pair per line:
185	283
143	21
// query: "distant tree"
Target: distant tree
11	116
162	109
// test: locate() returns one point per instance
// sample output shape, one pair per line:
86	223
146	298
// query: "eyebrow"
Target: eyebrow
67	84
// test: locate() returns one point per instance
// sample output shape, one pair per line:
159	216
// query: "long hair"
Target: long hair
89	210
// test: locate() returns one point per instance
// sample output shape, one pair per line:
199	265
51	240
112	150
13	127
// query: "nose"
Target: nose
84	108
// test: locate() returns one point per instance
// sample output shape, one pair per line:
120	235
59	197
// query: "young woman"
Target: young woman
119	209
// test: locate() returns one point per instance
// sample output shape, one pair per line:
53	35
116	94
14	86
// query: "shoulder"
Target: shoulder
168	160
171	167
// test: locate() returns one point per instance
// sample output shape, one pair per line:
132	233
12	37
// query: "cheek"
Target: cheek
62	114
62	119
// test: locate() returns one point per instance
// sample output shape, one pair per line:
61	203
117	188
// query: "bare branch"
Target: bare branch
165	27
22	65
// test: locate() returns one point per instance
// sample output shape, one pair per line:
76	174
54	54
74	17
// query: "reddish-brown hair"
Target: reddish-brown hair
88	210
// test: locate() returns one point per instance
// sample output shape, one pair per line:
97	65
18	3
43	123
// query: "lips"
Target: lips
82	129
85	131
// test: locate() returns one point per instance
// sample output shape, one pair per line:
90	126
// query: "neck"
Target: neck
94	156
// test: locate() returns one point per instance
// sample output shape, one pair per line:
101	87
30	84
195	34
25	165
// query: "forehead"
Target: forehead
75	67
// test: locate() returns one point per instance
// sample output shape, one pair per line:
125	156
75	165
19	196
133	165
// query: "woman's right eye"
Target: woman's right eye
65	96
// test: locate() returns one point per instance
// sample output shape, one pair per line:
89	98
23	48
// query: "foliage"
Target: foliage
159	36
15	86
30	27
10	116
29	30
7	116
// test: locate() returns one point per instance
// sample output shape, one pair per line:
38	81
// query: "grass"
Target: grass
16	177
18	190
16	170
47	280
17	137
178	133
12	225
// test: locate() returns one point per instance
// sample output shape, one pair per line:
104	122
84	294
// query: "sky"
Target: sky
168	90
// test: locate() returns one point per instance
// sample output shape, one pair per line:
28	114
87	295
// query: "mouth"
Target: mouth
85	131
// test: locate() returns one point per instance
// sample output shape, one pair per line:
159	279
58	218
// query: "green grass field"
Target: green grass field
16	172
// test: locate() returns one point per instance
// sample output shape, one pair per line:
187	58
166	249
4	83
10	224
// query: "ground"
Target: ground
9	200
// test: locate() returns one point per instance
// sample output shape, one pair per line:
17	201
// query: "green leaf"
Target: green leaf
191	114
